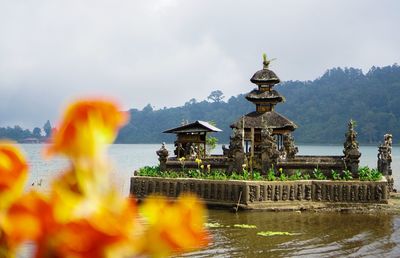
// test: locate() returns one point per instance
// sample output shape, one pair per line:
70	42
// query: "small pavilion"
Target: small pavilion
191	138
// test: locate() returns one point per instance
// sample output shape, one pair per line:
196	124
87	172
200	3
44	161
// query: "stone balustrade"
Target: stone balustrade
229	192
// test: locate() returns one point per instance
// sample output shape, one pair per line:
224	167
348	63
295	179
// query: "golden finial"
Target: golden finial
266	62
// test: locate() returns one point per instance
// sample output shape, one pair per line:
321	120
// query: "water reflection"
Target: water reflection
316	235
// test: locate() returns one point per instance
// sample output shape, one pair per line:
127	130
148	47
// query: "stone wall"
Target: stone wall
252	192
306	164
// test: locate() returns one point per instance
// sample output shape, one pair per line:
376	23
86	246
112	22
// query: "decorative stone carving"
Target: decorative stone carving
236	141
385	155
284	193
142	189
345	193
288	144
235	153
328	192
269	192
385	160
162	157
257	192
277	194
291	193
369	193
252	193
353	193
351	152
268	147
318	192
336	193
262	193
361	193
300	192
308	192
378	193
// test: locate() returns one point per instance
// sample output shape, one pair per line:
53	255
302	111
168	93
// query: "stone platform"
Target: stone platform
266	194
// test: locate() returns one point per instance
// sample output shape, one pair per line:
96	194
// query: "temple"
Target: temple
265	98
262	140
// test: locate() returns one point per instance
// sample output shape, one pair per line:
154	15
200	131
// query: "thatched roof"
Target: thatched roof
273	119
257	95
195	127
265	77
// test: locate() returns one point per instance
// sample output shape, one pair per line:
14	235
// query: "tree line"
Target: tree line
17	133
321	108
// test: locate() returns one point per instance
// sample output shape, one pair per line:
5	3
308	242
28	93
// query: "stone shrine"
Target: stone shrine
262	141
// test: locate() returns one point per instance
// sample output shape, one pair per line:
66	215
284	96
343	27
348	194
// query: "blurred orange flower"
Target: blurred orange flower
86	127
13	173
84	215
30	218
106	234
175	226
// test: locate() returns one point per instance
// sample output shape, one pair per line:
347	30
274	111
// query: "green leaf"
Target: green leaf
213	225
274	233
244	226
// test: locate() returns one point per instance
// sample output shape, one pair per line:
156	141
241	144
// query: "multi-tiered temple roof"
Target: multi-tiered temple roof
265	98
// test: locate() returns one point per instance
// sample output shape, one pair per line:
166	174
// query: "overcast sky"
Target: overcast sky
165	52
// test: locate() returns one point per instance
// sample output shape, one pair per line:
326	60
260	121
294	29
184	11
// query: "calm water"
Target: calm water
315	234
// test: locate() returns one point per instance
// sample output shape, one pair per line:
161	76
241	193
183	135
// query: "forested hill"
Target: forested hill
321	108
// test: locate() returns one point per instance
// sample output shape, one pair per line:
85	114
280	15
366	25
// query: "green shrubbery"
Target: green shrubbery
365	174
318	174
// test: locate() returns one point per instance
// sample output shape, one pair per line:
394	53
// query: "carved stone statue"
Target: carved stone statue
179	149
162	156
288	144
385	160
236	140
385	153
269	148
235	152
351	152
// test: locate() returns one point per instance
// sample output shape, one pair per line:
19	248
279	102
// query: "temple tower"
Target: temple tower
264	97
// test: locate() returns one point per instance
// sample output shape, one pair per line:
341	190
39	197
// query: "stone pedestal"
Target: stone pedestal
163	157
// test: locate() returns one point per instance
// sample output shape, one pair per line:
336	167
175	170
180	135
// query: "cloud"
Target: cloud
166	52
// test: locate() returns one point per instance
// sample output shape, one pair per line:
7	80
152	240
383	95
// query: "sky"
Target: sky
166	52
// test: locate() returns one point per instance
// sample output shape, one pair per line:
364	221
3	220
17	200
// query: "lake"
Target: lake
311	234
